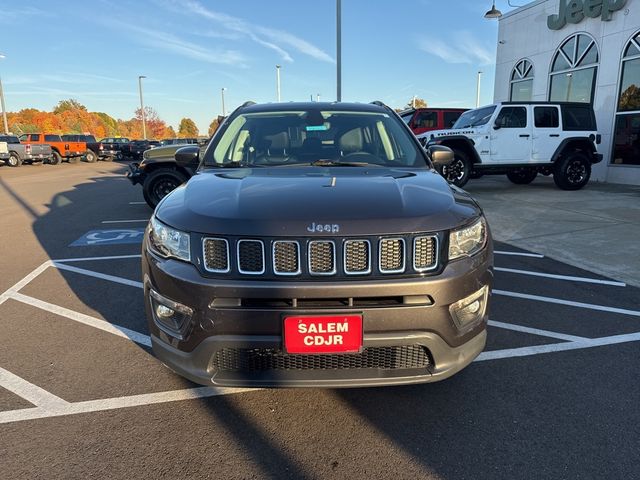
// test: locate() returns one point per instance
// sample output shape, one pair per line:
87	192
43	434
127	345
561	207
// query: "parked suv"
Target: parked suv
522	140
316	246
113	147
422	120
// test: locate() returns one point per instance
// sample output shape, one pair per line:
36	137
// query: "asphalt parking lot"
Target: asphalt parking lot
554	395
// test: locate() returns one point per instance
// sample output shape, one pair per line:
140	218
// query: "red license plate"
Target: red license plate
323	334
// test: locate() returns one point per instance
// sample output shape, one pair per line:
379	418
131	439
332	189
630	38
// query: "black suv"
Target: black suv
317	246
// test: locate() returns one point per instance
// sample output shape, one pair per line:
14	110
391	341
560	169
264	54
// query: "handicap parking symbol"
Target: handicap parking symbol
110	237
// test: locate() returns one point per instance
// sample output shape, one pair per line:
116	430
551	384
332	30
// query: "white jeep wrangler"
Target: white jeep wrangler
522	139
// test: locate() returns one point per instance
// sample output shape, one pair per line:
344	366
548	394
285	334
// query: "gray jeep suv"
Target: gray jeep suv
317	246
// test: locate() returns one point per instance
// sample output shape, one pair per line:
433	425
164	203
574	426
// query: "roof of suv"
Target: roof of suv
326	106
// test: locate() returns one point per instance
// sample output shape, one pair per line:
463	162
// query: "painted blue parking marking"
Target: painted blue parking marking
110	237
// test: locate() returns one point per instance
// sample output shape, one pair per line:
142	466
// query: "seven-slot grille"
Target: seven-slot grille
321	257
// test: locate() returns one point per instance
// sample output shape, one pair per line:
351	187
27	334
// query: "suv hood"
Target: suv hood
295	201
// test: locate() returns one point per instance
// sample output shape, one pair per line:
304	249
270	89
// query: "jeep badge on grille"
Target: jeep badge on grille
326	228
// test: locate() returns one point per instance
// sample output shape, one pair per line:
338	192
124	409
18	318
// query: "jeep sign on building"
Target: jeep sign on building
579	51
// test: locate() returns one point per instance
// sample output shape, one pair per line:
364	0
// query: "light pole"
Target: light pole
144	123
224	112
338	50
278	82
4	111
478	89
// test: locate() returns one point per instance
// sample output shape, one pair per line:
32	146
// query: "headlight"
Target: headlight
468	241
168	242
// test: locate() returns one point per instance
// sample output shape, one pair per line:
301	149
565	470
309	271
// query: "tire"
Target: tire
90	156
14	160
56	159
459	170
572	172
160	183
522	176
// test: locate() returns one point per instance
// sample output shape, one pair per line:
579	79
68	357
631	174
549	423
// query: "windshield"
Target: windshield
315	137
475	118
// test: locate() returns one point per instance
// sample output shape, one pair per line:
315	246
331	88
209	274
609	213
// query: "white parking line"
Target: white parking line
115	403
88	320
24	282
30	392
536	331
126	221
569	303
89	259
558	347
561	277
102	276
518	254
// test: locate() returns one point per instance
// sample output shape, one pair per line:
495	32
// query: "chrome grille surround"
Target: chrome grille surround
249	257
425	247
208	244
394	248
322	253
286	257
357	257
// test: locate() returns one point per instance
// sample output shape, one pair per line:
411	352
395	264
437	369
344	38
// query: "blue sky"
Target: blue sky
94	50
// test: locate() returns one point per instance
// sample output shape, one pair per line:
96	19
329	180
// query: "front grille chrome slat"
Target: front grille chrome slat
251	257
407	254
357	257
286	258
425	253
391	252
215	252
322	257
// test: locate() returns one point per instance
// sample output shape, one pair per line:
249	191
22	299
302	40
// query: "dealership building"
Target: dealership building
579	51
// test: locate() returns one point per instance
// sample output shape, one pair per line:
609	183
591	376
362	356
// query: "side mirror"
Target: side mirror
440	155
497	126
186	156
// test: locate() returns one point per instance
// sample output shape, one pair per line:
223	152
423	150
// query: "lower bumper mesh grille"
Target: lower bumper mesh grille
263	360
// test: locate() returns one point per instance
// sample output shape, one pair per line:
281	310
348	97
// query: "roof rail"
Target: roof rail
248	103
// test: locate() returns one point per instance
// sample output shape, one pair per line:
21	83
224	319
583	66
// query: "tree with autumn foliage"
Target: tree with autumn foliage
187	128
215	123
70	116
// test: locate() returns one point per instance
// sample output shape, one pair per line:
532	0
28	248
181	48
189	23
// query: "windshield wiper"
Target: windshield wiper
233	165
334	163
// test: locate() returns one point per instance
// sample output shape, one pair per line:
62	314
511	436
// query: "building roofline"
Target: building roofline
521	9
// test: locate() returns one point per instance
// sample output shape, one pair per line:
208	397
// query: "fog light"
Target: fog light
171	317
469	311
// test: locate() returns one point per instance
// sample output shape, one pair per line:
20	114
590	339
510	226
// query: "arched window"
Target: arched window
626	149
573	71
522	82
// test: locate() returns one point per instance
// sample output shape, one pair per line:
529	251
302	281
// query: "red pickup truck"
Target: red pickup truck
61	150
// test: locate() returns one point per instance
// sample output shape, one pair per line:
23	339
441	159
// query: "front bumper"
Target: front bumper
4	156
215	330
134	174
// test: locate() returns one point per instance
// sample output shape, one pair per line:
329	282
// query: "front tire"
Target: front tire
572	172
160	183
14	160
458	171
522	176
